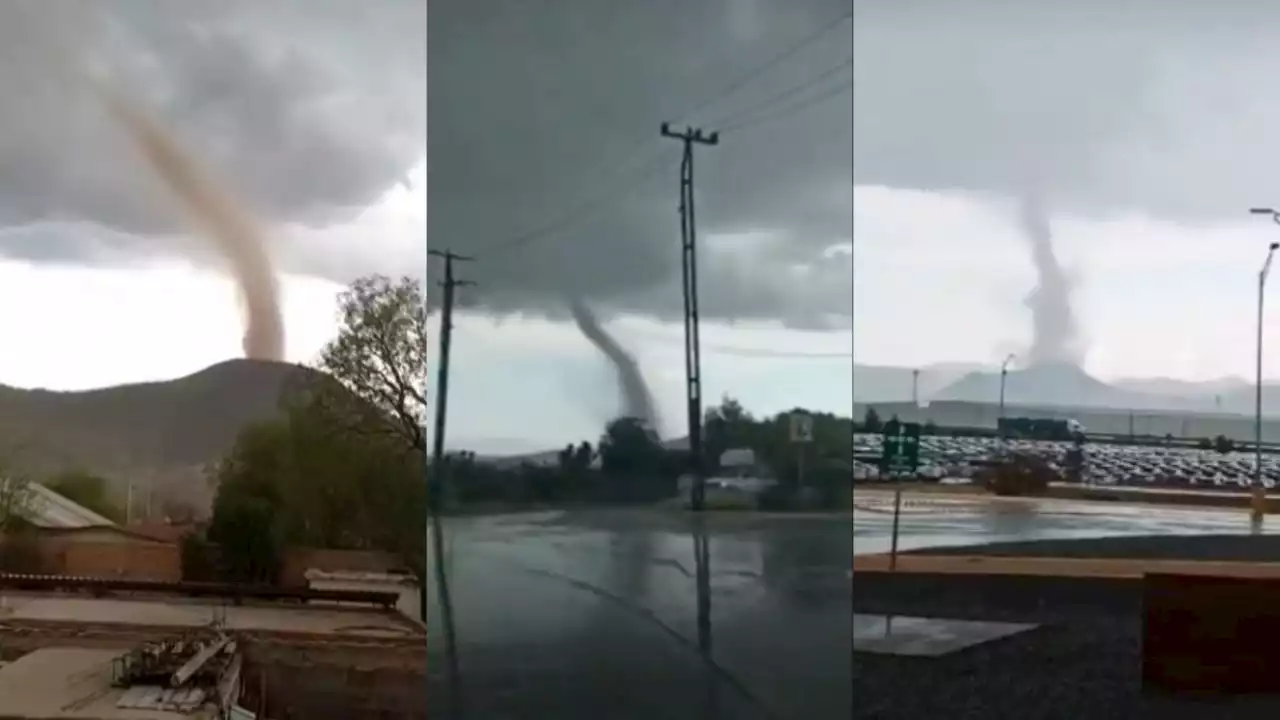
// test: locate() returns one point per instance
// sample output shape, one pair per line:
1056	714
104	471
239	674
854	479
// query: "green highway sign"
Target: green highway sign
901	449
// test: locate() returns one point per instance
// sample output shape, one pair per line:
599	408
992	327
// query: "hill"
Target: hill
885	383
160	435
1062	386
1057	385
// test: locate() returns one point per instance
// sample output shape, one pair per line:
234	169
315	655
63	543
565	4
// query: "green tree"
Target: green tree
566	458
379	360
1223	444
243	529
634	467
245	525
583	455
15	499
629	449
87	490
728	425
871	421
316	486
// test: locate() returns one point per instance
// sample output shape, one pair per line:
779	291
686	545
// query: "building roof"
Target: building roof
160	531
48	509
128	532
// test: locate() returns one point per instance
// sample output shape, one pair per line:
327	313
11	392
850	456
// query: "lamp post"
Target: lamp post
1258	506
1004	375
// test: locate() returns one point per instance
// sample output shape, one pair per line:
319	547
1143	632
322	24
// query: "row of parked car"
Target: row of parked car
950	458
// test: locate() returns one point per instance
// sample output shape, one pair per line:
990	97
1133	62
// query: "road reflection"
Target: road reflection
646	614
950	521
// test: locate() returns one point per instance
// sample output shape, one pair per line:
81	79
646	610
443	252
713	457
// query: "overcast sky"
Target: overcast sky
547	165
1147	129
311	113
544	117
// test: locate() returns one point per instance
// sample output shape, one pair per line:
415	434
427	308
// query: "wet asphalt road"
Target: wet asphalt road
597	614
944	521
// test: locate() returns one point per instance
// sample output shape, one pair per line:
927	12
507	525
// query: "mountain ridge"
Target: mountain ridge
1062	385
160	435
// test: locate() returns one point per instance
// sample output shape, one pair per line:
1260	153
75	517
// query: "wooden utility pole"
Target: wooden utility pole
436	486
689	266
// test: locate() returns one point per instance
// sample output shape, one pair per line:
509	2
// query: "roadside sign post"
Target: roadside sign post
901	446
801	435
901	452
893	538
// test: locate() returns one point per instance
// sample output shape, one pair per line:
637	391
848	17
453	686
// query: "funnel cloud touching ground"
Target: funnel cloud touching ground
220	218
551	112
636	398
1137	106
1055	336
308	110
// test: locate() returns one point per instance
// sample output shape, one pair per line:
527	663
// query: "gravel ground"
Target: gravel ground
1084	661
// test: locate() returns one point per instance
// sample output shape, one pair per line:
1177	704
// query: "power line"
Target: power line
583	210
793	108
750	352
787	94
778	354
785	54
647	148
723	349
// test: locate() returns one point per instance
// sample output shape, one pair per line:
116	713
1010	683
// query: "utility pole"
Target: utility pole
689	266
1259	495
435	495
915	387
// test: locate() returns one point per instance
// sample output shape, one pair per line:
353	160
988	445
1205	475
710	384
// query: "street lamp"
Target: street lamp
1004	374
1259	492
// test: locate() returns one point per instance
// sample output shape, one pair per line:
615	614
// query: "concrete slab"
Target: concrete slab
71	684
925	637
179	614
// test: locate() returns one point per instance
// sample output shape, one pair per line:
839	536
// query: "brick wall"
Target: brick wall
111	554
110	558
299	690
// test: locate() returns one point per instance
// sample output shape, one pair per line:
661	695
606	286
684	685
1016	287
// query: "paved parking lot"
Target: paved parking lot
1104	464
932	520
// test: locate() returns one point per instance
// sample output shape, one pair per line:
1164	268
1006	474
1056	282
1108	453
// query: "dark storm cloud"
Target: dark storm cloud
1162	107
538	109
306	109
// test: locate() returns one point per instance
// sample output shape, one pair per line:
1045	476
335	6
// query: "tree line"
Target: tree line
629	464
343	465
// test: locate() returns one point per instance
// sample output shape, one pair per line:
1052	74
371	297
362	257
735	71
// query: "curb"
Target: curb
1133	569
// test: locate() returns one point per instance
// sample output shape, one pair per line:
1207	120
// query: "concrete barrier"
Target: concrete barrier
1207	634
